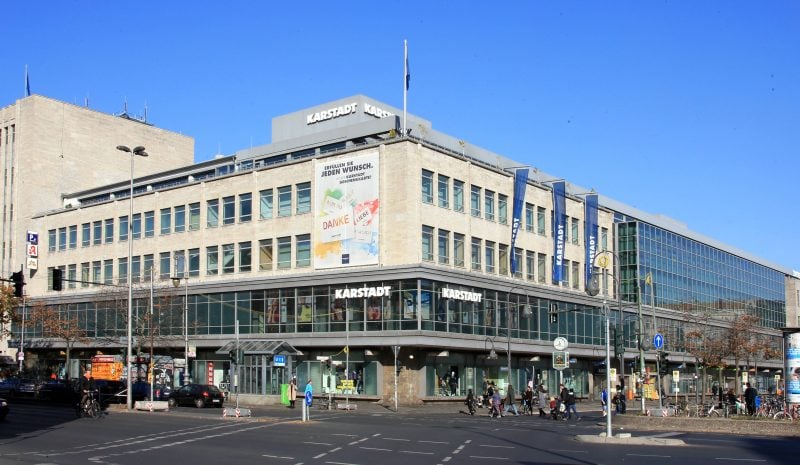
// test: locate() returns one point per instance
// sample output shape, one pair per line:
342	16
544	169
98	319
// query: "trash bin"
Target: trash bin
285	394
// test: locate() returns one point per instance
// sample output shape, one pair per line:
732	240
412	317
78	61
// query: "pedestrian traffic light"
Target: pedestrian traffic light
19	282
58	279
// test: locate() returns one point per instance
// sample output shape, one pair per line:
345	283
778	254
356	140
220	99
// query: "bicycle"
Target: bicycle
789	412
89	407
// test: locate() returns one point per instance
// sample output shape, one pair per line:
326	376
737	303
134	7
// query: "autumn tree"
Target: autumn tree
741	337
8	310
60	325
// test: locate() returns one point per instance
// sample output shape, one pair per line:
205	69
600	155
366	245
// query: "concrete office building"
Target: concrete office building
348	254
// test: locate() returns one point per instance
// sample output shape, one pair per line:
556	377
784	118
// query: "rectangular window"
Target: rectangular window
285	201
180	218
488	205
576	270
228	259
265	209
458	195
528	217
518	260
303	251
73	236
137	226
502	209
97	272
52	242
85	274
603	238
164	265
86	234
475	254
502	259
427	243
108	271
245	207
166	221
458	250
228	210
265	254
541	268
97	232
575	222
475	201
123	228
427	186
149	223
136	268
149	266
565	282
122	270
540	221
444	247
62	239
212	260
179	262
489	256
212	213
72	275
194	216
284	253
530	261
245	256
109	227
444	191
303	198
194	262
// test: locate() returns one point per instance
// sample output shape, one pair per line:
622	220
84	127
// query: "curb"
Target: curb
627	439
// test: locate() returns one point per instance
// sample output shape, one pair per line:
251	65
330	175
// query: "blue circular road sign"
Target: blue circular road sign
658	341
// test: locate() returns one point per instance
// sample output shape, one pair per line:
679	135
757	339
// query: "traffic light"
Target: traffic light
619	346
236	356
58	279
19	282
663	363
553	314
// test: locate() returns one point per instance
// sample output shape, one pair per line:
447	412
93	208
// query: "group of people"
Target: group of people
562	407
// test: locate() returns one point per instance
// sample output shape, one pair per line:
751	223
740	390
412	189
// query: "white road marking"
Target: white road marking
414	452
397	439
739	460
649	455
318	443
375	448
480	457
499	447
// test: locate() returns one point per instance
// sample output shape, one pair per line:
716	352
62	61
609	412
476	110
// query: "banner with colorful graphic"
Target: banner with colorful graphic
559	229
346	212
590	212
791	344
520	183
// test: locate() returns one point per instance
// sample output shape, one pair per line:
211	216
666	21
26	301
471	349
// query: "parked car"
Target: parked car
18	387
58	391
199	395
111	392
3	409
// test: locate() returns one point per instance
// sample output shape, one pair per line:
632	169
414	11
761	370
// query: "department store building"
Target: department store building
373	263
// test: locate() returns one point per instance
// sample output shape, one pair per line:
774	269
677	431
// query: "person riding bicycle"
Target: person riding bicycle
87	385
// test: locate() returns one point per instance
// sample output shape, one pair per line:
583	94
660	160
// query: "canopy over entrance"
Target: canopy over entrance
260	347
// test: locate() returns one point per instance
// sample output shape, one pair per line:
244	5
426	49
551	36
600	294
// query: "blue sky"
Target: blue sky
689	109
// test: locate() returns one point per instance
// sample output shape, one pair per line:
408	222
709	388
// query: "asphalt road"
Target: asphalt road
50	434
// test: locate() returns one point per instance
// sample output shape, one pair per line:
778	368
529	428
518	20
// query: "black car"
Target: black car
199	395
58	391
3	409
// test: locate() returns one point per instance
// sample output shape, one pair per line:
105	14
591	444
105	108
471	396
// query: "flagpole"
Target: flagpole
405	84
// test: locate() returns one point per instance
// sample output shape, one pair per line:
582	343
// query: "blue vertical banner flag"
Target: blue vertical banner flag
590	234
408	70
520	183
559	229
27	83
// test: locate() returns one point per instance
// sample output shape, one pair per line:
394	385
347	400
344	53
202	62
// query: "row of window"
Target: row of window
443	246
219	259
482	204
181	218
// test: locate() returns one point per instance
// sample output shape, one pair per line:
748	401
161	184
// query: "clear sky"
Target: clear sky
689	109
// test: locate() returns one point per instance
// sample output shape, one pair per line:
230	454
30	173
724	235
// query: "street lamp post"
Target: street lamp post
176	281
138	150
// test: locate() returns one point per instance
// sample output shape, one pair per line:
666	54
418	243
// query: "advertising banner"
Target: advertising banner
791	344
346	212
559	229
520	183
590	207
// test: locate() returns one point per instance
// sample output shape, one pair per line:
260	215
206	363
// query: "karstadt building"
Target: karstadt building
379	264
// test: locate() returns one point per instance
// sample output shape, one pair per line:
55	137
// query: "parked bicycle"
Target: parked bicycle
789	412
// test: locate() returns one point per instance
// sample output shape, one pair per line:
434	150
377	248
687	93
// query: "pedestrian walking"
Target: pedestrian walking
511	401
542	400
571	408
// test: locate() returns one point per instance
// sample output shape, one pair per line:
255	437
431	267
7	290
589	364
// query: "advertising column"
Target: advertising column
791	350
